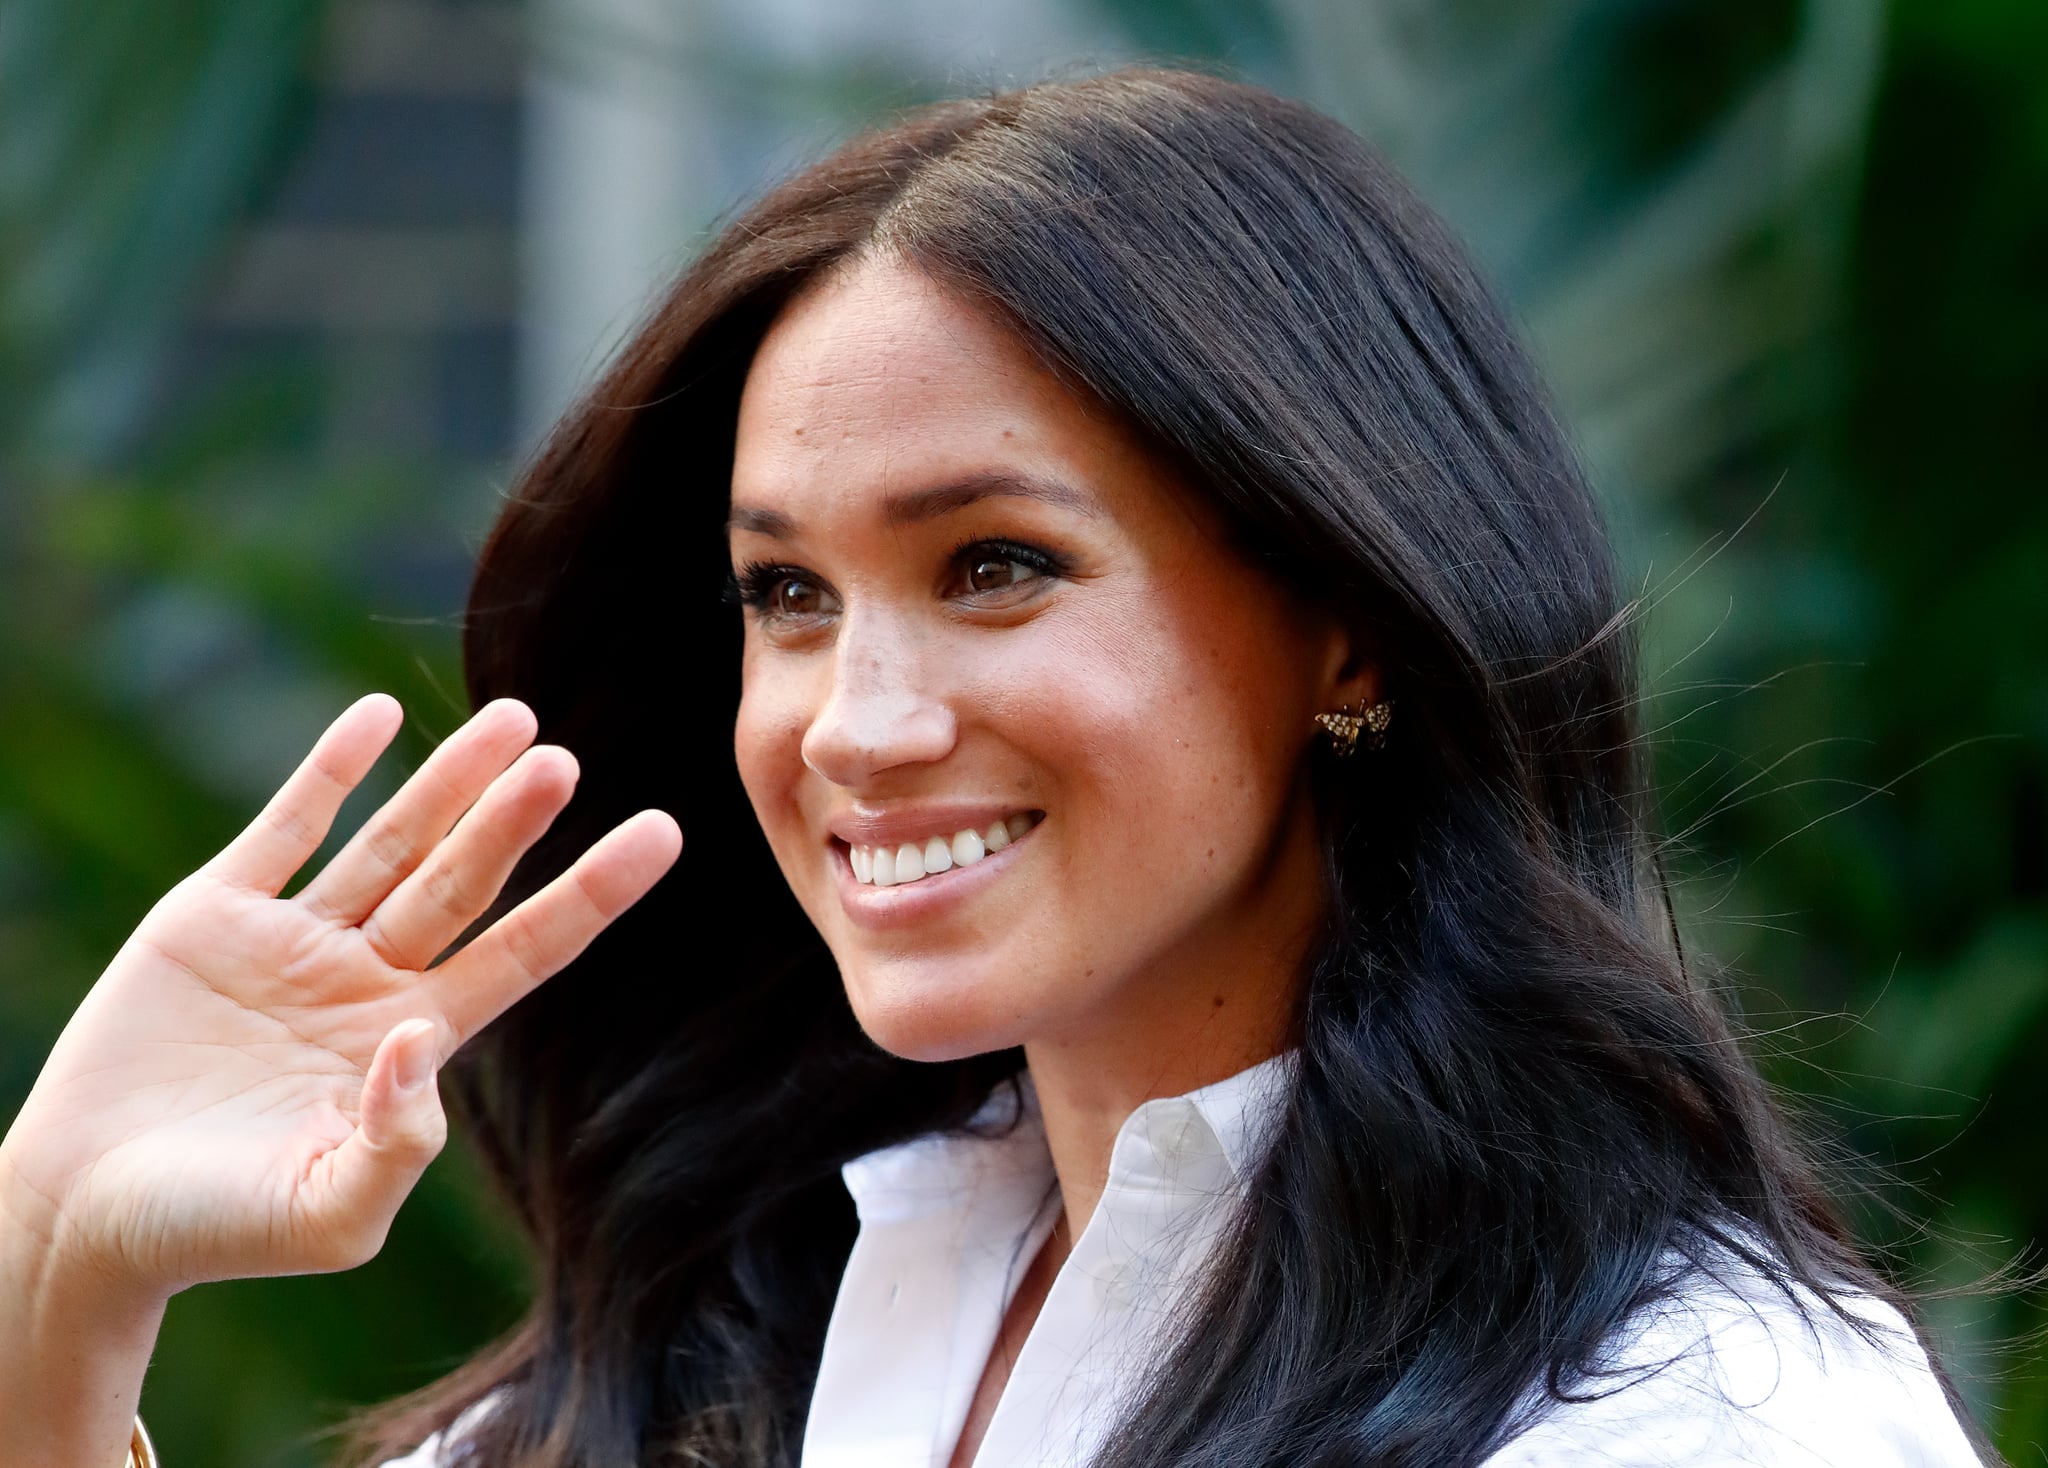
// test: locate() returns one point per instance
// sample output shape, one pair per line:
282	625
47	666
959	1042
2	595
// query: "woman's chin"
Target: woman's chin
935	1021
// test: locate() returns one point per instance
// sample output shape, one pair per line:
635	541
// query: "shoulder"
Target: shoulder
1728	1371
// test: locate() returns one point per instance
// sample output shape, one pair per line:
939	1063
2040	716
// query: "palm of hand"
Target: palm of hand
228	1100
246	1027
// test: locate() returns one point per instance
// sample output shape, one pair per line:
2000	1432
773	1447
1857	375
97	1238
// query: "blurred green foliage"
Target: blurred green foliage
184	603
1783	259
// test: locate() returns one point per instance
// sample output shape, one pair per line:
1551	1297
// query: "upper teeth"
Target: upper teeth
892	866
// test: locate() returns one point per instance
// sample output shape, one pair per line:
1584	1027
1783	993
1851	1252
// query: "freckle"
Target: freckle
799	433
1089	974
1219	1001
1212	853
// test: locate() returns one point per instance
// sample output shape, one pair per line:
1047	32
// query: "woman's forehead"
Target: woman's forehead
878	384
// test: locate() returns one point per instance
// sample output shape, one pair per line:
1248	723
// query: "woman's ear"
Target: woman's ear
1349	671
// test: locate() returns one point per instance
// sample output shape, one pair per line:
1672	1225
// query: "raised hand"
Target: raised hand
249	1088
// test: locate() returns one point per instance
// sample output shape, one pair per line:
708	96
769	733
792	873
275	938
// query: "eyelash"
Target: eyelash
754	583
750	585
1046	563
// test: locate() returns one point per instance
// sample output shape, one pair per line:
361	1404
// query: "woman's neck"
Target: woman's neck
1224	998
1087	1092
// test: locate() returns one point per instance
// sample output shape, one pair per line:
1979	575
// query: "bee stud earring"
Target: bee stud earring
1345	726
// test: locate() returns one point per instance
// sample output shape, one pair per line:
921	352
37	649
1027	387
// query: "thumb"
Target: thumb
401	1129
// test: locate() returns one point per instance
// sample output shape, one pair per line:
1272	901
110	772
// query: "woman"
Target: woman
1183	861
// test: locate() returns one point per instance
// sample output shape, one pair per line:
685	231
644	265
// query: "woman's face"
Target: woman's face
991	639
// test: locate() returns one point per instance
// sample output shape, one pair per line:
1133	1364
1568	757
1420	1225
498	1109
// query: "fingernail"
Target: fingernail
416	1059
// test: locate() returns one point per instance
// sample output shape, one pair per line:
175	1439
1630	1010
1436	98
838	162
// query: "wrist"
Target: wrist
76	1343
49	1275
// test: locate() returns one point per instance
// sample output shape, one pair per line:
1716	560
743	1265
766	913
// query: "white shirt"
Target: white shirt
949	1224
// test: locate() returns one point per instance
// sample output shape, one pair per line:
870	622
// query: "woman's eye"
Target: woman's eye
794	596
992	573
995	567
779	593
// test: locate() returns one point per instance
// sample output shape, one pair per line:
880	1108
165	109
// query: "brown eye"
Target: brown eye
991	569
795	597
992	573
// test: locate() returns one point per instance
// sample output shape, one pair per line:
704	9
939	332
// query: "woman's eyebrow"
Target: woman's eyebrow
929	504
944	499
771	523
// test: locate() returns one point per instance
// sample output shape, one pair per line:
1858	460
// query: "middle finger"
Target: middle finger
462	876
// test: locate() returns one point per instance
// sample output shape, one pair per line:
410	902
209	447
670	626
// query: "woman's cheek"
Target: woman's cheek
1145	698
768	733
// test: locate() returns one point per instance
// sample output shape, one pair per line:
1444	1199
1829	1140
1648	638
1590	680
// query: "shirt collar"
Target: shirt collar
1215	1135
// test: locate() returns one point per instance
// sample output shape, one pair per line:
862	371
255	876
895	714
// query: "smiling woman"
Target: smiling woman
1064	1039
977	603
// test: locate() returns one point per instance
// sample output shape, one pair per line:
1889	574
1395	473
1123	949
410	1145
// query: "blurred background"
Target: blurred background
289	287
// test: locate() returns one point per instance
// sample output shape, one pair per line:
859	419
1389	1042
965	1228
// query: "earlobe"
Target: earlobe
1354	701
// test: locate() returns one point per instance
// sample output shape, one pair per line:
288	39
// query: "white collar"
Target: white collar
950	1222
1221	1127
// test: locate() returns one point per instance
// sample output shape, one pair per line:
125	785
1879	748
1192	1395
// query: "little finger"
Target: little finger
393	842
290	828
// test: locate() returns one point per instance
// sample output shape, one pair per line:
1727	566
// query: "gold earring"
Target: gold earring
1345	726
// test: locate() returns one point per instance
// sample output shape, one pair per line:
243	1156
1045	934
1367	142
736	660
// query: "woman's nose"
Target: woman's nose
879	713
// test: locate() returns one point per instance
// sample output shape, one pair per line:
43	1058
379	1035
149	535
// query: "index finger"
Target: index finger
541	935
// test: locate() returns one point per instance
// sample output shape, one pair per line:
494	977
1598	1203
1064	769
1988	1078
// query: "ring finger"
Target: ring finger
462	876
393	842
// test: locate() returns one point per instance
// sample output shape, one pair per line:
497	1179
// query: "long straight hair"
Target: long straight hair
1514	1107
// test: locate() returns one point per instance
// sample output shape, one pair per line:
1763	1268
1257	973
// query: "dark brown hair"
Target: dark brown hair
1515	1108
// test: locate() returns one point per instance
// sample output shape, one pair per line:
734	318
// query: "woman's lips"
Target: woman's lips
870	905
895	864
